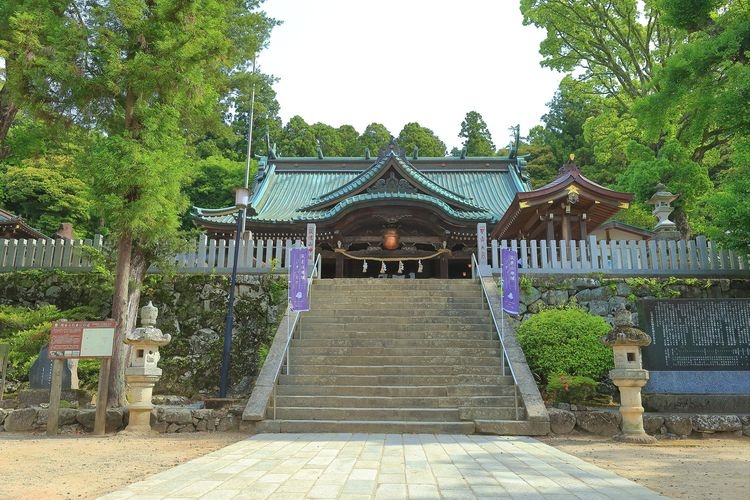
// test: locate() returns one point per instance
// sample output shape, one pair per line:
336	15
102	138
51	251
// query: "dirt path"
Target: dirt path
85	467
684	468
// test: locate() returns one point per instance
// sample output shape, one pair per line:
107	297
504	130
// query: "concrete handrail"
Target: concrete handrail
523	379
277	355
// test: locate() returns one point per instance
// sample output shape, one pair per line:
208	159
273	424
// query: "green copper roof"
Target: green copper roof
376	169
293	189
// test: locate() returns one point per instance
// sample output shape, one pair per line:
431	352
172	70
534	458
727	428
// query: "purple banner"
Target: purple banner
510	280
298	279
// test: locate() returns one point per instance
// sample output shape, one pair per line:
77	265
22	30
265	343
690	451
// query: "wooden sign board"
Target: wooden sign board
82	339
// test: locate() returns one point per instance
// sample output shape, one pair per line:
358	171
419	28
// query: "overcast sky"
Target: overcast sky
398	61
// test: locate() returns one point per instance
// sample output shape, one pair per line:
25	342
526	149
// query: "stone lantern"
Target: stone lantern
142	372
661	200
629	376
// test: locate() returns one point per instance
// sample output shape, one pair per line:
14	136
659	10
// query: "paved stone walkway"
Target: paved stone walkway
388	466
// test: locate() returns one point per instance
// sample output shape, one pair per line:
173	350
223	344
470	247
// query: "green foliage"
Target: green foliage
414	135
46	192
728	210
375	137
297	138
564	388
663	288
212	183
27	331
565	340
525	283
674	168
476	135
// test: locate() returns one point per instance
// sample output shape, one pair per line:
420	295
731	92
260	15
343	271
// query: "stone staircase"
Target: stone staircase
398	356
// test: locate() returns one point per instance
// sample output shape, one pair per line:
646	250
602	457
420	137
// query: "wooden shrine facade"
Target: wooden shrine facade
402	217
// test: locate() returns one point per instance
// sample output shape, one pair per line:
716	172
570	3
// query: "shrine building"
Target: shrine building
404	215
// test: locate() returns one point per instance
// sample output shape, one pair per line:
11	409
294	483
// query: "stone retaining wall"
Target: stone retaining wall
601	295
163	419
565	418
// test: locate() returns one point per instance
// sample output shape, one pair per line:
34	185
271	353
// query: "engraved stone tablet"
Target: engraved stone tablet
697	334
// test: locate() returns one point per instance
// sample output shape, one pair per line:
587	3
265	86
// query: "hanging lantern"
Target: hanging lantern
364	266
382	268
400	267
390	239
419	266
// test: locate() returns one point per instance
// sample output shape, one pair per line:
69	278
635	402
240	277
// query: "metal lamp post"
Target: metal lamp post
241	197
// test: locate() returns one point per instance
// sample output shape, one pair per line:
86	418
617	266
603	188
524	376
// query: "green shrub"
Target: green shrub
27	331
565	340
563	388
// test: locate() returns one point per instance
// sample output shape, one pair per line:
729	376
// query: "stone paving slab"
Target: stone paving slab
385	466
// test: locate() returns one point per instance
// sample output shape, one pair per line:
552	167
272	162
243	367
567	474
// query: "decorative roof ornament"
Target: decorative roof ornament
391	149
319	149
570	166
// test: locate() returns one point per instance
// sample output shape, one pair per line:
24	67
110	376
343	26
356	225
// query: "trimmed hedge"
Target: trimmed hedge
565	340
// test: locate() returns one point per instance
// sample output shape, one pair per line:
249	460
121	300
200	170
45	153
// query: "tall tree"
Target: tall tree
297	138
375	137
414	135
476	135
146	78
616	45
38	41
349	138
329	139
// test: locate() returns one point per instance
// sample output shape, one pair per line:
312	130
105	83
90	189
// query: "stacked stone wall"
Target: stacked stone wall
602	295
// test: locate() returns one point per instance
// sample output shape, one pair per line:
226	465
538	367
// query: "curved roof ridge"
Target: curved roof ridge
376	168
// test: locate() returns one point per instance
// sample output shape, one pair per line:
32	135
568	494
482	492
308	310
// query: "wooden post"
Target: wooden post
550	227
565	227
339	265
53	412
444	266
100	421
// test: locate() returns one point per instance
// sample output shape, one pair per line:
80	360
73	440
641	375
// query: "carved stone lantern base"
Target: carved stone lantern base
140	389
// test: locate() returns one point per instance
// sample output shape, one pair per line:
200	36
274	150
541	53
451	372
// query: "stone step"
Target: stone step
395	391
377	426
384	331
512	427
400	370
413	314
321	413
396	380
356	351
505	412
415	343
388	295
393	302
408	284
299	360
379	320
450	402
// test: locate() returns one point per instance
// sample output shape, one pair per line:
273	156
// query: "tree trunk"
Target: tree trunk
8	112
116	382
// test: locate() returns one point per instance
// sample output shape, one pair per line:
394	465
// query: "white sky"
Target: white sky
393	62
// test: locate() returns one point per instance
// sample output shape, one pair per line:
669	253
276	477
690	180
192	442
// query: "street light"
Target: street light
241	197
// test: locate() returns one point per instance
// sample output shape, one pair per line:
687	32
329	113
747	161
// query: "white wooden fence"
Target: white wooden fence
204	255
673	258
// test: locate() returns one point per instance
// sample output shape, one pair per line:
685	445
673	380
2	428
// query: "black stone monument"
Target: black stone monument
40	374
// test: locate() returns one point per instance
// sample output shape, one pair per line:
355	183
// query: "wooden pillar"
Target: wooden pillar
444	266
339	265
565	227
550	227
584	227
